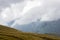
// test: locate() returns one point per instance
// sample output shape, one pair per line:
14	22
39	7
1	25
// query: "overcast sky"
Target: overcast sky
29	10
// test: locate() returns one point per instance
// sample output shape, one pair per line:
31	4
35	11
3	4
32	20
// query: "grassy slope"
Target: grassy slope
7	33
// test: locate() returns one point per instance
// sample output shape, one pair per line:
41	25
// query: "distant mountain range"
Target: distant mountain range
40	27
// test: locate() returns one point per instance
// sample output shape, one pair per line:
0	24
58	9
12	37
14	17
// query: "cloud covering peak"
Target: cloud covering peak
31	10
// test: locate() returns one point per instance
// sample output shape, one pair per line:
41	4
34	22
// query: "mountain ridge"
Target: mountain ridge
40	27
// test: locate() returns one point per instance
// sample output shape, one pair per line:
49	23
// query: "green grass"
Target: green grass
7	33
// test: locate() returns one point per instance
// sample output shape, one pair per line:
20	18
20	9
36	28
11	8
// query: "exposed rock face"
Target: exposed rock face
12	34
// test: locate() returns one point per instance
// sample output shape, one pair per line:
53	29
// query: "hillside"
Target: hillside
7	33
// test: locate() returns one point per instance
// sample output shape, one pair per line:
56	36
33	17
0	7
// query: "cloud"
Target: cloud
17	10
49	10
6	9
29	11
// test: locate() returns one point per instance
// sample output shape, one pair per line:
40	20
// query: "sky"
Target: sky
27	11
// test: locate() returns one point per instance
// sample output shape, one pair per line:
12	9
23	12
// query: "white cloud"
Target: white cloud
29	11
11	12
47	11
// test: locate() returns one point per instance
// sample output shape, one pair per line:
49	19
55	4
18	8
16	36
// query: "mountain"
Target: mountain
7	33
41	27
